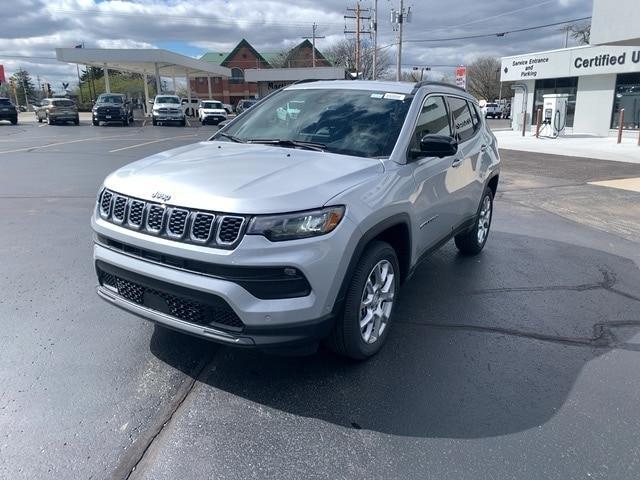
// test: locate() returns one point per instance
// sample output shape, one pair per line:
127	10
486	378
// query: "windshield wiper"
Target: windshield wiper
230	137
318	147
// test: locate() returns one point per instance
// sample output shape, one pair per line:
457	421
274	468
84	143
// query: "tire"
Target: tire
473	241
39	119
183	123
76	121
348	338
14	121
96	123
154	122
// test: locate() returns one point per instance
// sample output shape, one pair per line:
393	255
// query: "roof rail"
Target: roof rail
305	80
425	83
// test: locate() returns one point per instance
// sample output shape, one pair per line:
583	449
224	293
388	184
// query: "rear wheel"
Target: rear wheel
473	241
14	121
362	328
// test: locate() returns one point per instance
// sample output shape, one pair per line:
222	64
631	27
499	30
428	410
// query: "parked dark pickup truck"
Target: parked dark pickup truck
112	107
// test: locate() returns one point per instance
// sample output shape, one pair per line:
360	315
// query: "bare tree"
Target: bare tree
581	32
483	78
342	54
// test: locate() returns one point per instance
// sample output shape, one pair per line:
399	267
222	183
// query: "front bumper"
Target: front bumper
168	117
213	118
110	117
266	322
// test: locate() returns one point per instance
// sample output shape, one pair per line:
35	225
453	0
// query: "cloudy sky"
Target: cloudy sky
31	29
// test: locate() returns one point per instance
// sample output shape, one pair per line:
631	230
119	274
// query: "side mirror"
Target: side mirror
437	146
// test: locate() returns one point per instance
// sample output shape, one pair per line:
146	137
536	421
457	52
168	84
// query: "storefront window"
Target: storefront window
627	96
547	86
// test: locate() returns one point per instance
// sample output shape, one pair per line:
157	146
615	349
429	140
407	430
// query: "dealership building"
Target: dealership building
599	81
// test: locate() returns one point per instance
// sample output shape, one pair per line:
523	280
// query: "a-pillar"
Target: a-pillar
107	86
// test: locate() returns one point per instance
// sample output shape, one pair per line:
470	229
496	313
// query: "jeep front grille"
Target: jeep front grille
175	223
201	228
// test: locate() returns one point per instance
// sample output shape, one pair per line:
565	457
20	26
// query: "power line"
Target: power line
497	34
357	17
313	44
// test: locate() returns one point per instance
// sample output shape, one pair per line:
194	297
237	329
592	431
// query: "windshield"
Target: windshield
363	123
5	101
110	99
211	105
167	100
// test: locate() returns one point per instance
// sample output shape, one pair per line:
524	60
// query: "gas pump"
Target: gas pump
554	114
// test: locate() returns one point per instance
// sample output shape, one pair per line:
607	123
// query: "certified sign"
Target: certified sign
461	77
571	62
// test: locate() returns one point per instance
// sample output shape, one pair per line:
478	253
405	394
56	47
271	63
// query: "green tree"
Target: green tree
24	84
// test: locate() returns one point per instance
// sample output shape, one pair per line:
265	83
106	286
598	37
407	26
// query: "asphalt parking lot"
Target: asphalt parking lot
519	363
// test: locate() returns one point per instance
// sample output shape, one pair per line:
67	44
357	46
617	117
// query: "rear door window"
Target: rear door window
461	119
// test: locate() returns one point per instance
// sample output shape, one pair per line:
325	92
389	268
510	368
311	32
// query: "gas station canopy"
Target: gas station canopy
149	61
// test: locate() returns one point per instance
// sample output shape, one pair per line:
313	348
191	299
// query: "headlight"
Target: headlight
292	226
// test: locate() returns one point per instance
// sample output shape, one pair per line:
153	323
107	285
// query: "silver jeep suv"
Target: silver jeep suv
284	230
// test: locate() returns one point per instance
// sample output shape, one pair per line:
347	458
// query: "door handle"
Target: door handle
457	162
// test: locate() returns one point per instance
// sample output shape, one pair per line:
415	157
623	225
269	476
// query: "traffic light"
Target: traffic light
49	89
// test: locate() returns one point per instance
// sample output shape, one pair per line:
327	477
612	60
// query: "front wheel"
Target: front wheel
362	328
473	241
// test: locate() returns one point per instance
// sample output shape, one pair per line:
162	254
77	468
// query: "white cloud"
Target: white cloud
38	26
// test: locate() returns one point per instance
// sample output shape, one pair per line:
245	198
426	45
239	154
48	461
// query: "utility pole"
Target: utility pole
399	17
358	17
374	74
313	43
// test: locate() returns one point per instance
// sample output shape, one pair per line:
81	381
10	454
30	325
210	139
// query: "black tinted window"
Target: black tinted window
461	118
475	116
4	101
433	119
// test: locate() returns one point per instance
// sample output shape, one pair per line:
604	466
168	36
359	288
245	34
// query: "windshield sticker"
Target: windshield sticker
377	95
394	96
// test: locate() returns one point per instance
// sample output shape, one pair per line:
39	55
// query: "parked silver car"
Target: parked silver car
287	231
55	110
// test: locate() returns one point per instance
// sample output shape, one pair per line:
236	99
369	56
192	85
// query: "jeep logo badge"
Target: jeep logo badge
165	197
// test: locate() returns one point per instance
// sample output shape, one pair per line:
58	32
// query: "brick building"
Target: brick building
245	57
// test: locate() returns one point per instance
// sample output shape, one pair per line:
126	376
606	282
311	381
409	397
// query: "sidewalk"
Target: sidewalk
602	148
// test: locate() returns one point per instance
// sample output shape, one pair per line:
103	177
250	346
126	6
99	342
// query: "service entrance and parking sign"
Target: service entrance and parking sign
461	77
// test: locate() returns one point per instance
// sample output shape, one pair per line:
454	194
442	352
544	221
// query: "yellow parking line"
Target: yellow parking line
149	143
38	147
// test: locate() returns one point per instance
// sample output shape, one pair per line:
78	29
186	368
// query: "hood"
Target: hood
110	104
167	105
243	178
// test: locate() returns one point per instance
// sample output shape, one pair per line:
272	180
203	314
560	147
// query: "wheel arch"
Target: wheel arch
396	231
